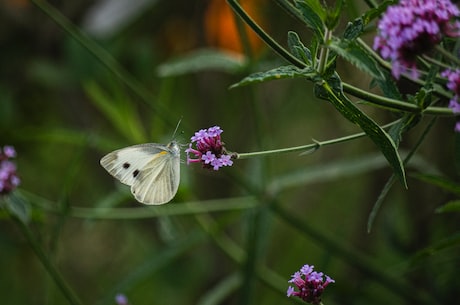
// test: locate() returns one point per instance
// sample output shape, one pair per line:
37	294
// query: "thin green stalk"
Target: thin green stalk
105	58
393	104
264	36
324	54
49	266
306	148
448	55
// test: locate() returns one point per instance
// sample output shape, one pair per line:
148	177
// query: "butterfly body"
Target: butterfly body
152	170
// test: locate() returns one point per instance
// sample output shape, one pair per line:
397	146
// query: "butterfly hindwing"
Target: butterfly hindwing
159	181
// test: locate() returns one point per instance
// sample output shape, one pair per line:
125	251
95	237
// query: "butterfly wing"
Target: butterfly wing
159	180
152	170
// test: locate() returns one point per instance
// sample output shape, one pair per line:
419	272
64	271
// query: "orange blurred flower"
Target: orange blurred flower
221	29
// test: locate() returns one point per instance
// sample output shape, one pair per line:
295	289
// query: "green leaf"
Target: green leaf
313	16
355	54
17	205
118	110
380	138
354	29
298	49
451	206
277	73
202	60
333	15
442	182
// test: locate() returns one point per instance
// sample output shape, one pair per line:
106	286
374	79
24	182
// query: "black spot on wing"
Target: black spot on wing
135	173
126	165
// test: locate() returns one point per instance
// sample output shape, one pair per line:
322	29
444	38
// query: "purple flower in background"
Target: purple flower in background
412	28
210	150
121	299
453	84
9	179
310	284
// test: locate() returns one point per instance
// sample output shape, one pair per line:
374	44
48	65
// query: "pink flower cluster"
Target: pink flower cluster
9	179
453	83
413	27
209	149
310	284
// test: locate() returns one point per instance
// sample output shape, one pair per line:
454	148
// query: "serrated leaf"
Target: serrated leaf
313	15
202	60
277	73
451	206
371	128
298	49
355	54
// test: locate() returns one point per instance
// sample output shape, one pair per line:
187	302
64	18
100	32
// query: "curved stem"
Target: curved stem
393	104
264	36
307	148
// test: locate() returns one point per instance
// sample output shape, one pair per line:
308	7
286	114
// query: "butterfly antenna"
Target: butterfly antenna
177	127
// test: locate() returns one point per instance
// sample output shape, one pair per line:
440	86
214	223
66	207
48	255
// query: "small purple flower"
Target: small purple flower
210	150
9	179
310	284
412	28
453	84
121	299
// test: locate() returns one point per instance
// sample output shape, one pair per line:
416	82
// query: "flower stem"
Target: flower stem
306	148
448	55
49	266
264	36
324	54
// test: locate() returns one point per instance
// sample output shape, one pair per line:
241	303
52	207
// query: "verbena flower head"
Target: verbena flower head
453	84
9	179
210	150
412	28
310	284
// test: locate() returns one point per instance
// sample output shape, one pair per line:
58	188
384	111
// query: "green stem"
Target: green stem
324	54
307	148
264	36
448	55
393	104
50	268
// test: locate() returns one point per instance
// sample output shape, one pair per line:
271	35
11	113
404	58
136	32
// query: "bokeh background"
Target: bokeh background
220	241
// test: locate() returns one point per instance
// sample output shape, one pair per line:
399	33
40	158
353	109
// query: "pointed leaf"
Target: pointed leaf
372	129
298	49
355	54
202	60
277	73
313	15
451	206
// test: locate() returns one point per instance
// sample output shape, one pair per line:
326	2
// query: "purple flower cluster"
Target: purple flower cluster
412	28
9	179
209	149
453	83
309	283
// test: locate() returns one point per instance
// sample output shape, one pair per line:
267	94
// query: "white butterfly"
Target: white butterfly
152	170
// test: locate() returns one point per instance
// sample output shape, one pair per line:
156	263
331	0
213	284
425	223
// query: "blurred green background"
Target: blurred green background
63	110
